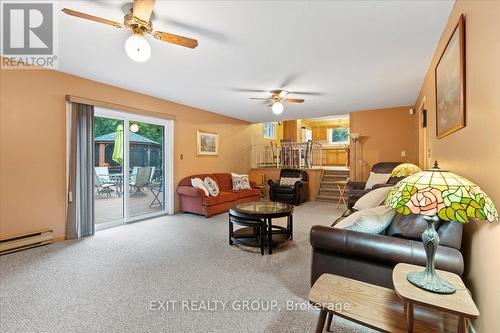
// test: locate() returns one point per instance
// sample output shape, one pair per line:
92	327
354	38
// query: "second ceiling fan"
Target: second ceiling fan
277	99
138	20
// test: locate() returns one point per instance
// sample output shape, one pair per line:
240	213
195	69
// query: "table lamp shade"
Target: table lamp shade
438	194
405	170
442	193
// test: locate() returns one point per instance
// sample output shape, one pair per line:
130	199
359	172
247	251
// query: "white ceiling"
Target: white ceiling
354	54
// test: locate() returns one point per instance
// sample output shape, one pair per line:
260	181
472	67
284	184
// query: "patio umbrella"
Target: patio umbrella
118	149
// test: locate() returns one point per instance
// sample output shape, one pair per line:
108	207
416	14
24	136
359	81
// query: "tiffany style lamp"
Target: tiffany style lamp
439	194
405	170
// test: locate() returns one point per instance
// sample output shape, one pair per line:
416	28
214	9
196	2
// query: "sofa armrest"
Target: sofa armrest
190	191
355	185
253	184
381	248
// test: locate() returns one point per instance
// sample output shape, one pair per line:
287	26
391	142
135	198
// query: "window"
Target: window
306	134
270	130
338	135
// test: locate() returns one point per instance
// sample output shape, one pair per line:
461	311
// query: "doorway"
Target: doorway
133	167
423	153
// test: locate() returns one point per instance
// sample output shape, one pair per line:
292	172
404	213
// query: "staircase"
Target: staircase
328	190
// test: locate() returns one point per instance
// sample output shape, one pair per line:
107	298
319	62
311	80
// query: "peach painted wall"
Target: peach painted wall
384	133
474	151
33	143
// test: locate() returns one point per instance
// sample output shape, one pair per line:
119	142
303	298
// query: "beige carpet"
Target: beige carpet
108	282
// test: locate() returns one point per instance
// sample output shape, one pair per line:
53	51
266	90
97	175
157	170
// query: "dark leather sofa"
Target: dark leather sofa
293	195
371	258
356	189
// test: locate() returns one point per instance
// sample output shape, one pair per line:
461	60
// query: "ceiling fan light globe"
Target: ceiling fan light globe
138	48
277	108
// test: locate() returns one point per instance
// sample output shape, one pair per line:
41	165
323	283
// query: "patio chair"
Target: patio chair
140	181
151	177
133	175
102	183
103	174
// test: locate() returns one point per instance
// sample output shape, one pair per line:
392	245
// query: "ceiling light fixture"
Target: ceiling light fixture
277	108
138	48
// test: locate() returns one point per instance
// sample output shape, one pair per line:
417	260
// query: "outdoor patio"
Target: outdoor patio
109	208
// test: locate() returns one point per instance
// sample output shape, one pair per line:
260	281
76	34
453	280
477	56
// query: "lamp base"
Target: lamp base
430	282
428	279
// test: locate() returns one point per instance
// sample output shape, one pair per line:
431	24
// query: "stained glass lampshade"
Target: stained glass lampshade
442	193
439	194
405	170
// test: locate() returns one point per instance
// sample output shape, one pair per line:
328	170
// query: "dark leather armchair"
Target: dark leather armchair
295	194
356	189
371	258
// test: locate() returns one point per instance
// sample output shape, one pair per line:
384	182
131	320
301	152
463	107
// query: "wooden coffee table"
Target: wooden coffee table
459	303
373	306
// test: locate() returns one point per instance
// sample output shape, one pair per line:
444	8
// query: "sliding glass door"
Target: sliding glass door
133	167
108	170
145	146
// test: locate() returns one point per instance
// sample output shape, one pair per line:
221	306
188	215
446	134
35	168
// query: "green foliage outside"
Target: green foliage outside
104	126
340	134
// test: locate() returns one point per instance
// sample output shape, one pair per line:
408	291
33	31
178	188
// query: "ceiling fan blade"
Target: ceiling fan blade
92	18
249	90
175	39
143	9
261	99
294	100
307	93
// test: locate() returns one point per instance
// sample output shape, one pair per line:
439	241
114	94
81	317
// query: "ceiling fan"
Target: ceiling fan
138	20
277	99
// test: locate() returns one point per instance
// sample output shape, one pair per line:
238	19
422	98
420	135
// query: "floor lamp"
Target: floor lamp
354	139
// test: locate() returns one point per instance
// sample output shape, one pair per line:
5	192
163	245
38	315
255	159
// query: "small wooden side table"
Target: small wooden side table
370	305
341	186
459	303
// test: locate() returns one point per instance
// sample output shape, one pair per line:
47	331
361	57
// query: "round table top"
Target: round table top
262	209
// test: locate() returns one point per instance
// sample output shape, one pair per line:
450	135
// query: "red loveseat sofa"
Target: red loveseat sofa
194	200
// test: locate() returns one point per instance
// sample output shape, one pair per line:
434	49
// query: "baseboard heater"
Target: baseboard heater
26	241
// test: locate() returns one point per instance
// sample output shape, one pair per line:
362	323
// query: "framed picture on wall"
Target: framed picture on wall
207	143
450	84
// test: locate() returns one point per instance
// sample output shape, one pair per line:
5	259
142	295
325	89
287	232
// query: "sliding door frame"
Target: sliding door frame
168	160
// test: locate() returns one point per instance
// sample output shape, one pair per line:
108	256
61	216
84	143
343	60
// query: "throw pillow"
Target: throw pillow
240	182
376	178
373	198
356	216
374	224
211	186
289	181
347	221
198	183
